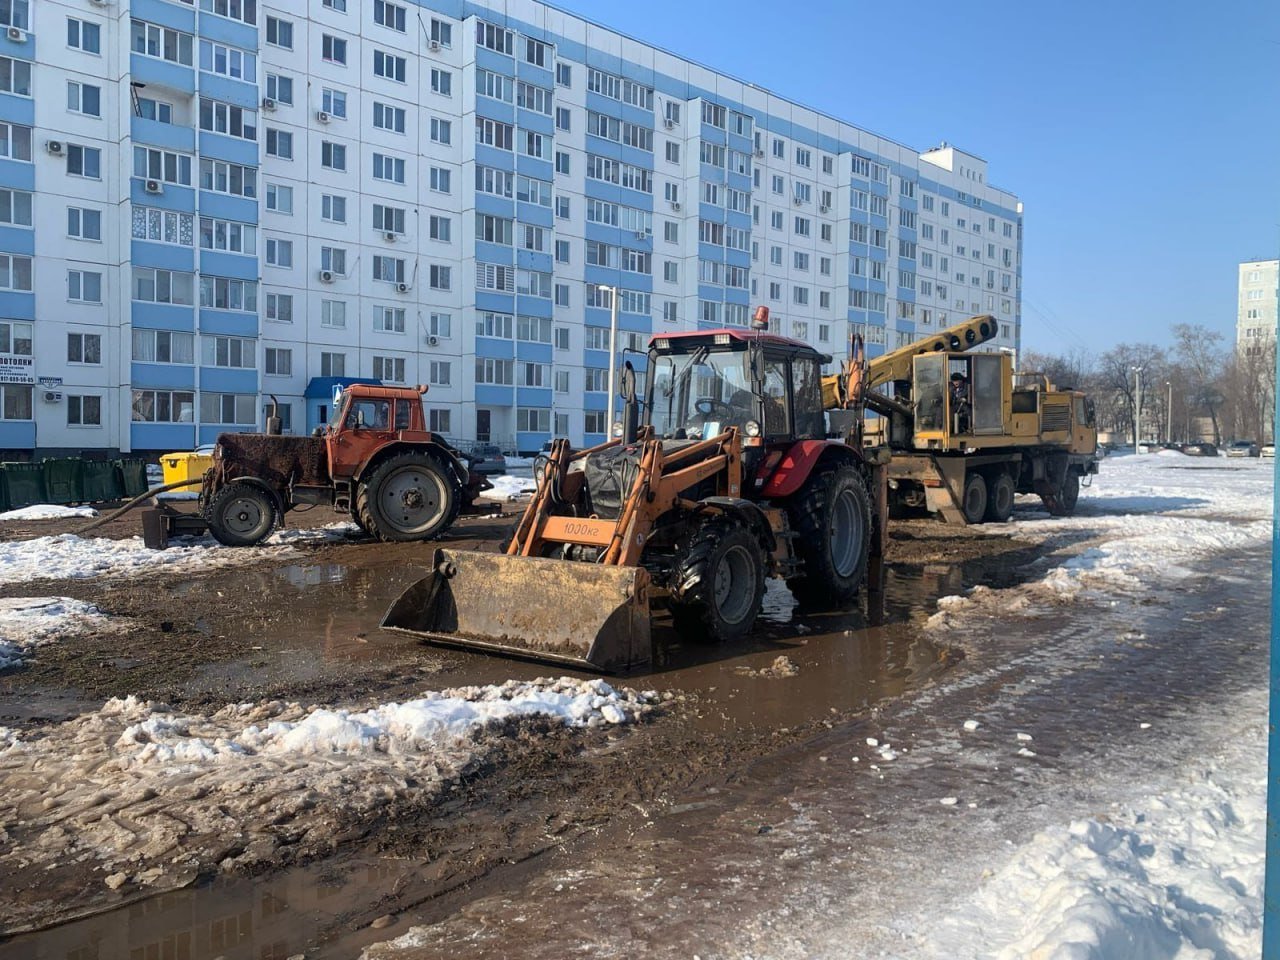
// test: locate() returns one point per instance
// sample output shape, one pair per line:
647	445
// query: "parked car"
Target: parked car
1268	451
1243	448
487	458
1199	449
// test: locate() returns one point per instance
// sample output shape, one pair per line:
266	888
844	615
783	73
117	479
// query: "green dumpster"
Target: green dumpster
62	482
101	481
24	483
133	477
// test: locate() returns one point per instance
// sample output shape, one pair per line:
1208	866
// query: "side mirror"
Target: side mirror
627	384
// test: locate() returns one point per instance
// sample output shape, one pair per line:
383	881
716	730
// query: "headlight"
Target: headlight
617	429
752	428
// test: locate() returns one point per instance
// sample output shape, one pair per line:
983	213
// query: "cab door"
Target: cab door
366	427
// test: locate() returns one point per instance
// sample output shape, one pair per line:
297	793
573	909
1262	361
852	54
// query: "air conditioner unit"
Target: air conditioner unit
402	287
326	276
100	3
52	396
824	209
642	234
797	200
759	151
268	104
669	123
322	116
56	147
153	186
675	205
390	236
433	340
17	34
434	45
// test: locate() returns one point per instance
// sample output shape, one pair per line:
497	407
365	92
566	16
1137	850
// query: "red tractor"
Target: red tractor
375	462
723	476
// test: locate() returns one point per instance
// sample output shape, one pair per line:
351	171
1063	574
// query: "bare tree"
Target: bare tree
1118	372
1198	348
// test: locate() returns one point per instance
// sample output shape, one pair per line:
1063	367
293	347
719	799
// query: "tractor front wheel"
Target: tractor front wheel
408	497
719	583
831	516
242	515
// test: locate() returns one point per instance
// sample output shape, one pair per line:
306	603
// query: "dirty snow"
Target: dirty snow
159	795
30	622
510	488
70	557
48	511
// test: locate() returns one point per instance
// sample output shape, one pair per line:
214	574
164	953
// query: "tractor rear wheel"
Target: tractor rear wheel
1000	498
242	515
831	516
973	502
408	497
719	583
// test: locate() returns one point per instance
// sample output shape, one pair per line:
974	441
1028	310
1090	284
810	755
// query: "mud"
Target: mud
307	632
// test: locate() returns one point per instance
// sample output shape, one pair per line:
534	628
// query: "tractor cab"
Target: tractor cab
700	384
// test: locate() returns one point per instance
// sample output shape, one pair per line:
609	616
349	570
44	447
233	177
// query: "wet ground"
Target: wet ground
307	631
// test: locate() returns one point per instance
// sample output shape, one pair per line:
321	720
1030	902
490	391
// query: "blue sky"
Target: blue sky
1143	136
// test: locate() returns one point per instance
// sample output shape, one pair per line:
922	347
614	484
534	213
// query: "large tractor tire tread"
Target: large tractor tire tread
242	515
718	586
974	499
825	582
1000	495
372	516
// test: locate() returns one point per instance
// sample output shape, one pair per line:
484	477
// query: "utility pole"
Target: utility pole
613	356
1137	407
1168	414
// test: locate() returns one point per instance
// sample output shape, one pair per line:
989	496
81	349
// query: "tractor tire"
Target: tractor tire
1064	504
719	583
1000	493
411	496
355	518
973	502
242	515
831	516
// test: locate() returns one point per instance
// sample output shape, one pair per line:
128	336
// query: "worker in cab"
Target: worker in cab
961	406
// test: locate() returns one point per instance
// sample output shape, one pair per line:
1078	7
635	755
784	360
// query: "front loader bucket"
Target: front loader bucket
582	614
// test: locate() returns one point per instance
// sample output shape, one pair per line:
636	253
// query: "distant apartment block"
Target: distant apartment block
1258	305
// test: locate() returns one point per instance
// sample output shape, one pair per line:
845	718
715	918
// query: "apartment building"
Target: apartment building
1257	305
208	204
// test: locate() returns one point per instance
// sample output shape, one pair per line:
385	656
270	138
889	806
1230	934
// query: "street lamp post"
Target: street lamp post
1168	414
1137	407
613	355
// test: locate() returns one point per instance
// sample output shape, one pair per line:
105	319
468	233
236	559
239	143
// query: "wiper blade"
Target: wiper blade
694	358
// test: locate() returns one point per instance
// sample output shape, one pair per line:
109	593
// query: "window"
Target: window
15	144
280	32
441	130
229	408
441	82
15	76
562	295
492	229
279	198
388	66
388	168
224	293
15	338
237	352
151	40
388	117
339	5
493	133
81	34
245	11
388	319
334	259
499	372
494	325
280	89
333	313
230	62
563	117
15	207
530	420
280	253
84	348
388	14
564	75
230	236
219	117
162	286
495	38
163	346
163	406
333	49
279	143
277	362
333	364
439	421
82	223
440	180
333	208
333	155
388	369
15	272
232	178
151	109
84	411
280	307
391	219
562	208
388	269
439	277
440	325
533	330
334	102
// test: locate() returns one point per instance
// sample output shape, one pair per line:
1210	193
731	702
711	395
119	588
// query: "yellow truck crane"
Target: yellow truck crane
967	432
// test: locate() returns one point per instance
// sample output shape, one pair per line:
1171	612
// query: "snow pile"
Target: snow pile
29	622
48	511
70	557
510	488
258	785
1175	875
519	463
274	729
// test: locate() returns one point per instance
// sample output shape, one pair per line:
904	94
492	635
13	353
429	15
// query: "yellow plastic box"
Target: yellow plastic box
185	466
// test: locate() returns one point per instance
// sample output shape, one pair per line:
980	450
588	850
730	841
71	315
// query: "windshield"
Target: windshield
703	399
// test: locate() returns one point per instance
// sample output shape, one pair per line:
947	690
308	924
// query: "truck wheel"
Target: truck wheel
1000	499
242	515
719	583
974	502
355	518
832	520
408	497
1064	504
